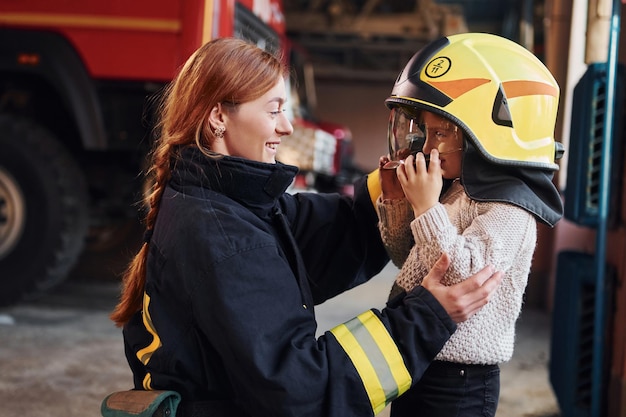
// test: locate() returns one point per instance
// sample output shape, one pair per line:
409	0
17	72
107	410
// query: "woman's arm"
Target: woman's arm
338	238
253	317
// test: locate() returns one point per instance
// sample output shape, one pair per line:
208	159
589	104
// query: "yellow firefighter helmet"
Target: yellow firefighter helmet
499	93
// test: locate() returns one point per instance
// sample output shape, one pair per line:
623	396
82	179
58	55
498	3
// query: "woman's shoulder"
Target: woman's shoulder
213	218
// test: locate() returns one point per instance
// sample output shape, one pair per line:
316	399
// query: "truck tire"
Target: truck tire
44	211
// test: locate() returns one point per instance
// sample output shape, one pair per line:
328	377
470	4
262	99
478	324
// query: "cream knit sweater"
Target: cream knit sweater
474	234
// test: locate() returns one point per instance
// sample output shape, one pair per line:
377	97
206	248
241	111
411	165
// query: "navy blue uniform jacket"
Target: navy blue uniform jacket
235	267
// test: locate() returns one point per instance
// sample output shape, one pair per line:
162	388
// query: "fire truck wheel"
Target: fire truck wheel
43	210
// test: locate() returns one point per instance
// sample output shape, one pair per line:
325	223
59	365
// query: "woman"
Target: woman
218	305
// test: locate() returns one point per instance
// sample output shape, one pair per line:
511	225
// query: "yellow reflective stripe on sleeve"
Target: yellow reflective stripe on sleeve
375	357
145	354
373	186
147	382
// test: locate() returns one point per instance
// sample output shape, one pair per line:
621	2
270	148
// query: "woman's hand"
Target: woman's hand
421	184
464	299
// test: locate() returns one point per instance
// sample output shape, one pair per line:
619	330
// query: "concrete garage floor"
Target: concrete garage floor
60	355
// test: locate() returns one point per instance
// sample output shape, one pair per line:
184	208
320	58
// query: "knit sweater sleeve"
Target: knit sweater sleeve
395	217
483	233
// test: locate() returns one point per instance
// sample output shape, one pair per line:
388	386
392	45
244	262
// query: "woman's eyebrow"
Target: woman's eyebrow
278	100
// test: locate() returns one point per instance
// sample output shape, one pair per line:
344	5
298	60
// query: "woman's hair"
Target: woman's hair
225	71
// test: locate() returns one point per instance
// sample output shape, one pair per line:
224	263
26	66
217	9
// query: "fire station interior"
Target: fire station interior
354	51
358	48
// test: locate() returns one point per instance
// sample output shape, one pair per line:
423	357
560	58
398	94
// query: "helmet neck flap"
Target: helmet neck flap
529	188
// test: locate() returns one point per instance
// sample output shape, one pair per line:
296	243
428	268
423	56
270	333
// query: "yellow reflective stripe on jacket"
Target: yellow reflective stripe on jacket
145	354
375	357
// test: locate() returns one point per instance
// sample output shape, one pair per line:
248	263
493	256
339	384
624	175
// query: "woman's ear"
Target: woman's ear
216	117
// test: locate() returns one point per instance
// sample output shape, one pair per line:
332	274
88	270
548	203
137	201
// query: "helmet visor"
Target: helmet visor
412	130
405	134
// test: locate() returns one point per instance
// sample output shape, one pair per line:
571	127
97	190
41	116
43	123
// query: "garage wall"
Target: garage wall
361	107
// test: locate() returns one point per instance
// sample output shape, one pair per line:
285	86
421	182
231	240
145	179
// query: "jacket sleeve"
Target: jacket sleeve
256	323
391	349
338	238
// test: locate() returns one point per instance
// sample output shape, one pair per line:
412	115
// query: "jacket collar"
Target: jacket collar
253	184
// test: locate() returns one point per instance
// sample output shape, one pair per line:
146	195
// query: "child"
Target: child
484	110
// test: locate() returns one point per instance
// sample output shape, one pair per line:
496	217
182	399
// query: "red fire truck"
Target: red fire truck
76	81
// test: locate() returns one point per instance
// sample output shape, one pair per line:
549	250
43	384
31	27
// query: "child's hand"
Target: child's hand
391	188
422	185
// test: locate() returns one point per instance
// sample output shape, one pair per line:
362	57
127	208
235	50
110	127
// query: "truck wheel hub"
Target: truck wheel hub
12	212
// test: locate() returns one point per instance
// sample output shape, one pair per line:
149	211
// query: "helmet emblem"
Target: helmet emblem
438	67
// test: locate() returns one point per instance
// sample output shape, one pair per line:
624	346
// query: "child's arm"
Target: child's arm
481	233
395	215
395	228
499	234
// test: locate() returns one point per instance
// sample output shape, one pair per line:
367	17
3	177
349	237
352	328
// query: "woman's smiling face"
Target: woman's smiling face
255	129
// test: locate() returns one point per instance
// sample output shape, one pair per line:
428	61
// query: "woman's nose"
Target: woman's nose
284	127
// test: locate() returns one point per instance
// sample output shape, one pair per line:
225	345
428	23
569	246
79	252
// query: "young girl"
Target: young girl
483	109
